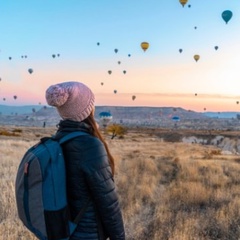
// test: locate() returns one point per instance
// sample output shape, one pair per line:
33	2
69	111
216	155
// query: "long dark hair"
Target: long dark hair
95	132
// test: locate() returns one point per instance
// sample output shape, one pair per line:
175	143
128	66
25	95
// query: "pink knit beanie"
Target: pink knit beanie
73	100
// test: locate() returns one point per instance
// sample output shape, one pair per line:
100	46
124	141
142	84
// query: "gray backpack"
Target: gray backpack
40	190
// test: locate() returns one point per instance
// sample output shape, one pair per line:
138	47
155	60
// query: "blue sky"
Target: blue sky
40	28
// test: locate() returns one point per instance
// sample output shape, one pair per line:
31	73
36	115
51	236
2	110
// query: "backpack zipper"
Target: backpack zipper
26	193
54	191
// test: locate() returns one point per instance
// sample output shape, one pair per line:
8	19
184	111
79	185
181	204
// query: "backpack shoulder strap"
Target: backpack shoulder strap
71	135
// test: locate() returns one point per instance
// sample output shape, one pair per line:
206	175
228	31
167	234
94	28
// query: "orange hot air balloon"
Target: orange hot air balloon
196	57
144	46
183	2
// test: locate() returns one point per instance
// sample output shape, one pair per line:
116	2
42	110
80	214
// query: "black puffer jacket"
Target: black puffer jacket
89	176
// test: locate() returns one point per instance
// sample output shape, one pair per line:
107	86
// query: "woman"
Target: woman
89	165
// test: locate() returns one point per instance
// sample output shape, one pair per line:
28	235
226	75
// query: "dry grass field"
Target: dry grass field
168	191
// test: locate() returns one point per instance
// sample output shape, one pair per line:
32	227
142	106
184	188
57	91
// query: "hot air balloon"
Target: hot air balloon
102	83
189	5
144	46
196	57
4	99
133	97
115	91
105	115
15	97
176	118
119	62
129	55
180	50
124	71
53	55
237	102
10	58
98	43
105	118
115	50
216	47
109	72
58	55
30	70
183	2
0	79
195	27
195	94
226	15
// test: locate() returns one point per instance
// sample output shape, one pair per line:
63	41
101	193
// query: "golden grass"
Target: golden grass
168	191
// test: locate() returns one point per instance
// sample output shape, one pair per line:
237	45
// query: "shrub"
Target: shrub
17	130
116	130
9	134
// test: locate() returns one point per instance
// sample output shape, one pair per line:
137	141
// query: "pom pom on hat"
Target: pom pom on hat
73	100
56	95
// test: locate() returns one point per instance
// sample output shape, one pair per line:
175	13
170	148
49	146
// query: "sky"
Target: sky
83	36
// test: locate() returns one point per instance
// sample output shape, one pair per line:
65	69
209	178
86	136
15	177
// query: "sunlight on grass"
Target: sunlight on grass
172	191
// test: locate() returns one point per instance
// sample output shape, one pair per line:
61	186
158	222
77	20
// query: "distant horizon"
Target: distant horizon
125	106
199	102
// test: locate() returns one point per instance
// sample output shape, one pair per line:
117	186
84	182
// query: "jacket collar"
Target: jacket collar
71	126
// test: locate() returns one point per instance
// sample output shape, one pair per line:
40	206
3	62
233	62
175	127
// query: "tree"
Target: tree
116	130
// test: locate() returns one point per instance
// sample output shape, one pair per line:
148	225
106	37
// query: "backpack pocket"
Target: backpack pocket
57	226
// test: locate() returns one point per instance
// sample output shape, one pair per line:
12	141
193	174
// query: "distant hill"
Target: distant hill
221	114
164	117
119	112
133	113
18	110
146	113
